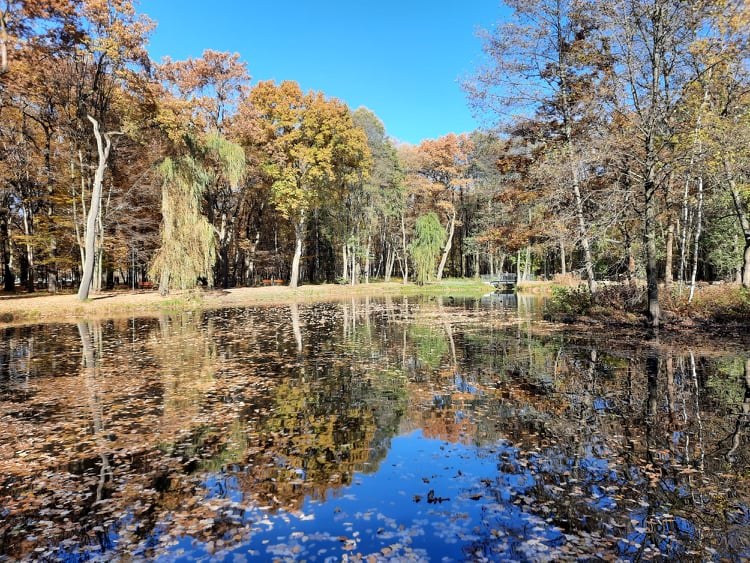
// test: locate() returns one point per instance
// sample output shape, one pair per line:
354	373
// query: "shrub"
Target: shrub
567	303
724	303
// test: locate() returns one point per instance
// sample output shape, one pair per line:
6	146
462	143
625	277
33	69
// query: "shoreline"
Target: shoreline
42	308
30	308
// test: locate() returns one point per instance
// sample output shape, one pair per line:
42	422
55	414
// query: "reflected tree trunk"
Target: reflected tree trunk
743	419
698	417
90	370
296	328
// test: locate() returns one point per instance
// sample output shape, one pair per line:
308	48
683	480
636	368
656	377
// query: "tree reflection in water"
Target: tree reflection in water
389	428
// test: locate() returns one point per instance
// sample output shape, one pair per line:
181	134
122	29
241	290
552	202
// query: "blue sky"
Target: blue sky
402	59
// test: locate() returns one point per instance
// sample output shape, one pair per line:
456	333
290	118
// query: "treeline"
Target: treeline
628	137
619	151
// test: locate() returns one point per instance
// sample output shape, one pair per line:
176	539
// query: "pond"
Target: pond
432	429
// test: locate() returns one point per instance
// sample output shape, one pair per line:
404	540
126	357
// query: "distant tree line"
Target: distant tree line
618	149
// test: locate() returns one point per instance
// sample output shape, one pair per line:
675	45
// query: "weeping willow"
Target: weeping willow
188	250
188	242
229	157
429	237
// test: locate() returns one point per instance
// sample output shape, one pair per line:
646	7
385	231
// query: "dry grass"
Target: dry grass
23	308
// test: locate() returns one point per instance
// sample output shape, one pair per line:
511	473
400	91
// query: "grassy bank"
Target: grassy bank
41	307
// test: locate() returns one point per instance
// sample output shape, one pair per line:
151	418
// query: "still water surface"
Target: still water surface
375	429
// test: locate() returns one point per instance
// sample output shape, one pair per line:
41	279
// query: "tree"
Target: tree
104	146
650	39
546	62
116	43
209	89
188	250
429	237
721	70
373	201
311	150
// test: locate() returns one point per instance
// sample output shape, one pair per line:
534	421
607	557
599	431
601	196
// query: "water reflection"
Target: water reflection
393	428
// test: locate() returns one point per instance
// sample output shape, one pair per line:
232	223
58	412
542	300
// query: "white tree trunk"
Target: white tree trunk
345	260
405	263
299	231
103	145
698	229
447	249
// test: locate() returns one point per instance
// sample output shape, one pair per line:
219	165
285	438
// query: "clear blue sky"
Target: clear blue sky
403	59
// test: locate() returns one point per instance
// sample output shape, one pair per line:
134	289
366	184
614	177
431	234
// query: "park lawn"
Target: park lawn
21	308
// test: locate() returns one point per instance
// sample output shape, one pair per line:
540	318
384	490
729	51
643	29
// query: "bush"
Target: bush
723	303
629	298
567	303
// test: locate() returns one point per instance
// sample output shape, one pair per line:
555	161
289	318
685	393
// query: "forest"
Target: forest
616	148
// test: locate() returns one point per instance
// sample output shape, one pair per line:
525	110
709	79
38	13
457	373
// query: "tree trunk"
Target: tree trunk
299	232
527	264
405	268
684	236
447	249
103	144
563	259
631	265
519	276
27	229
668	256
588	261
345	260
696	242
163	282
390	259
9	278
52	246
354	267
649	235
367	260
744	224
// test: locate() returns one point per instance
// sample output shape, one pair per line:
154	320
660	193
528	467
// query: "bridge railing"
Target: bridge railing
502	278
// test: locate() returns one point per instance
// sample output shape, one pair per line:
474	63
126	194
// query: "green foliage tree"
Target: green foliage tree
373	201
429	238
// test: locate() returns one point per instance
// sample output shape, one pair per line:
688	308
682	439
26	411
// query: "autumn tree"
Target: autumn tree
650	39
546	64
188	248
721	71
116	52
210	87
311	150
438	177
